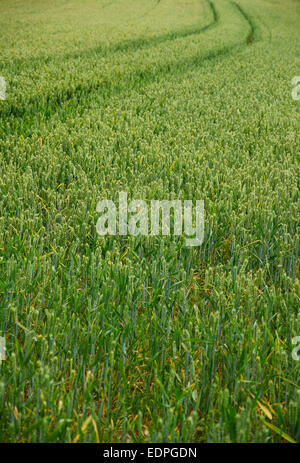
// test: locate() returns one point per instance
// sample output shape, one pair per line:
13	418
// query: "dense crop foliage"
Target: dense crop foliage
139	338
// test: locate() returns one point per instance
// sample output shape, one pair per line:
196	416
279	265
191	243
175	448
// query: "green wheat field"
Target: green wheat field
141	338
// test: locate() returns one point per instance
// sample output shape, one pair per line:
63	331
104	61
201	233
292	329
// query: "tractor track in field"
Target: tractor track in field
135	81
251	36
125	46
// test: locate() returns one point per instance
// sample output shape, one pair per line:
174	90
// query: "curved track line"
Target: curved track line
145	77
125	46
251	35
54	101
